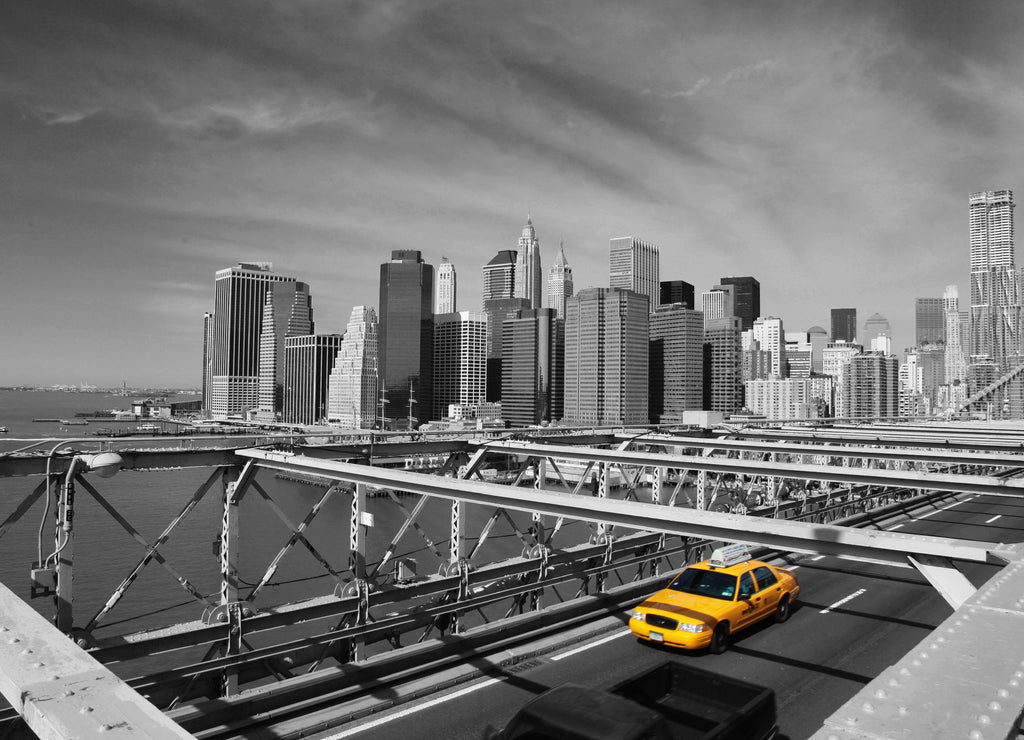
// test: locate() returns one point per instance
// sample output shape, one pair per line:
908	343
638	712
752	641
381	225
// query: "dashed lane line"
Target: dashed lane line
989	521
839	603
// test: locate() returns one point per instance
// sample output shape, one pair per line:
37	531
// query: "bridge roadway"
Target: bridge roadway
815	662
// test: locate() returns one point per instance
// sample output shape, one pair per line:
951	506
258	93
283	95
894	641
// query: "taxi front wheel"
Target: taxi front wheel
720	638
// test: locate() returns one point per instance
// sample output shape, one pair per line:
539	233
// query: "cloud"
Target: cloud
53	116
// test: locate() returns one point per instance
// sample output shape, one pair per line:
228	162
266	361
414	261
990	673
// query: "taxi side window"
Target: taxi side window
765	577
746	586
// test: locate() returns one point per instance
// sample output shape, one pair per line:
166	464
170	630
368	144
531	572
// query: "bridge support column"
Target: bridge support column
357	561
64	551
229	536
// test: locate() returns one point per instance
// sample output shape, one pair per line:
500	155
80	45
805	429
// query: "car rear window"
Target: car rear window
705	583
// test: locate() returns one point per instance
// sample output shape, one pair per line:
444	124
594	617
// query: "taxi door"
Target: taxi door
769	591
748	606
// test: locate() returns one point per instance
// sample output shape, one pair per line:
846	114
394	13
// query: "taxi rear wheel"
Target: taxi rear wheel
782	612
720	638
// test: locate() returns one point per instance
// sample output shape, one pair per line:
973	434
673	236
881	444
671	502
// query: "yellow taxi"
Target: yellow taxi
707	602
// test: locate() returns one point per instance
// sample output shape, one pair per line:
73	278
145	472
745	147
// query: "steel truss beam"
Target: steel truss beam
871	545
834	473
940	452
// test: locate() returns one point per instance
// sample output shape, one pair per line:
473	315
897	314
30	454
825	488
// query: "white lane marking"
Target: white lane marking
851	597
819	557
944	508
413	710
896	526
589	645
993	519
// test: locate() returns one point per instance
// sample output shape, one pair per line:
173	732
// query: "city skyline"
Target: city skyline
827	151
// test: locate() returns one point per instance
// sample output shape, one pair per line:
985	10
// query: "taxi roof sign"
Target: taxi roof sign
723	557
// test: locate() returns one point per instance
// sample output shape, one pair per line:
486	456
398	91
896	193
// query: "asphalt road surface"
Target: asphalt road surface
852	621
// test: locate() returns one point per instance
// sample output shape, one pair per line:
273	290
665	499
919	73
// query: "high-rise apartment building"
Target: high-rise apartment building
446	289
771	337
835	361
783	398
676	291
723	385
798	354
746	298
460	360
871	386
559	283
718	303
308	361
406	335
352	390
929	321
676	363
995	283
533	367
606	360
239	299
528	271
634	265
844	324
287	312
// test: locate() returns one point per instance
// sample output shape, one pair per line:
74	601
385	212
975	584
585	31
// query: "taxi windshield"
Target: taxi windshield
705	583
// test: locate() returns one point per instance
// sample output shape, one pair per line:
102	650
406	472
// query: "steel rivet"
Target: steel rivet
867	707
985	719
85	710
995	706
13	641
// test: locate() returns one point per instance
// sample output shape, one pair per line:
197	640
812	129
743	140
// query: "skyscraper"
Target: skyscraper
956	363
844	324
460	360
207	359
406	332
771	337
446	287
717	303
929	321
287	312
877	336
746	298
528	283
533	367
634	265
559	283
606	360
239	298
676	363
352	389
723	383
500	276
308	361
676	291
995	305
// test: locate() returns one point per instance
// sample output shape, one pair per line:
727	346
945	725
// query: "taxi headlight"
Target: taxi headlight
637	615
686	627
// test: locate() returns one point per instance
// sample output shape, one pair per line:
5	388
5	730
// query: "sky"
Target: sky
827	149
